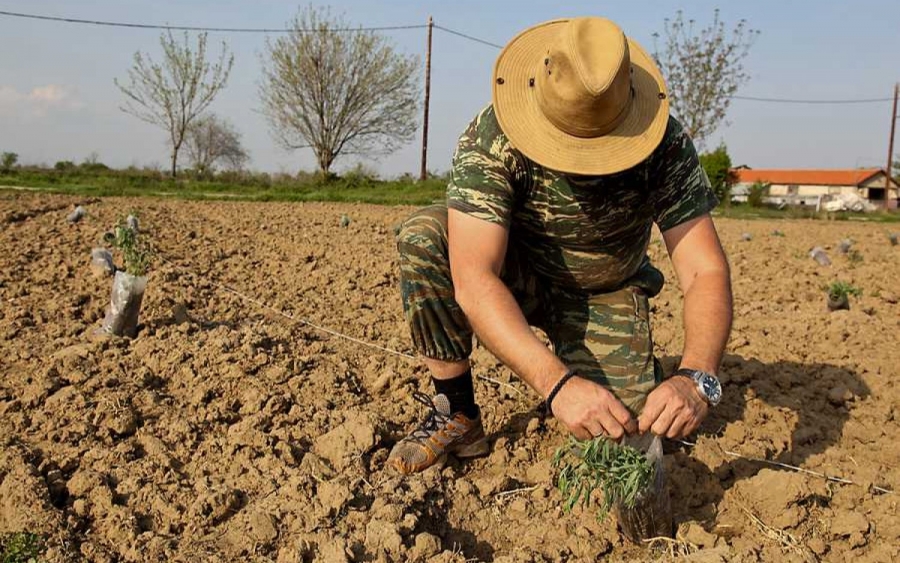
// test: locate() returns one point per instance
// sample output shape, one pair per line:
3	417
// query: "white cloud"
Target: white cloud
39	101
50	94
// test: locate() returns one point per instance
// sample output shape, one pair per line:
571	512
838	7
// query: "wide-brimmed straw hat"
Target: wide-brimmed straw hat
578	96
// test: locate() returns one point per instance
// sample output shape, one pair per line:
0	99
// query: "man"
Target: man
554	189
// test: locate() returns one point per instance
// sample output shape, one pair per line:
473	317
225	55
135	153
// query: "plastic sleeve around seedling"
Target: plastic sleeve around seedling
818	254
124	305
76	215
102	262
651	516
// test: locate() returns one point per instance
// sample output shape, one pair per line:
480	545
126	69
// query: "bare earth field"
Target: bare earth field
226	432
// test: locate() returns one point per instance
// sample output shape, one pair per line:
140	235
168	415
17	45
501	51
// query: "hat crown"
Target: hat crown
584	82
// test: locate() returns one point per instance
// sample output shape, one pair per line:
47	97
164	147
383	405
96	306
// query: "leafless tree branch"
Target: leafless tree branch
338	93
172	94
703	68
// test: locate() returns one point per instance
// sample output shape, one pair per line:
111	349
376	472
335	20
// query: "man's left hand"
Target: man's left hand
674	409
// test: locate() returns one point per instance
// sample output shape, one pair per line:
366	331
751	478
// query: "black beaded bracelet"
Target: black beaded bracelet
570	373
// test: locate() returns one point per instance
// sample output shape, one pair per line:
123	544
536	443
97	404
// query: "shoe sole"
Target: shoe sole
477	448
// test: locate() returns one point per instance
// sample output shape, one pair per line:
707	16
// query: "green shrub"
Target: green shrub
838	290
758	192
717	165
21	547
8	161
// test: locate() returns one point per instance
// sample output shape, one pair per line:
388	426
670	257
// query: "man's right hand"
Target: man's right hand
588	409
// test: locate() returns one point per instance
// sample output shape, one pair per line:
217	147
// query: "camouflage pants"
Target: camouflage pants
604	337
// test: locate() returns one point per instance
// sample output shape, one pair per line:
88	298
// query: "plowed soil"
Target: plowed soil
228	432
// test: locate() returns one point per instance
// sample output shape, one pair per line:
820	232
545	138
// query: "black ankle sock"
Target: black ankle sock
460	391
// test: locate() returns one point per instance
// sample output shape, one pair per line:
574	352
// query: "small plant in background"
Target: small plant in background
76	215
777	233
854	257
818	254
128	284
8	161
21	547
756	197
839	295
620	472
136	253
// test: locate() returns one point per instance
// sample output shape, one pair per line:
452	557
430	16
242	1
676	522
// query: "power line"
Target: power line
200	28
742	98
385	28
796	101
469	37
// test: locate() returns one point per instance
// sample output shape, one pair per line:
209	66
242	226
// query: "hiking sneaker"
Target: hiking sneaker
441	433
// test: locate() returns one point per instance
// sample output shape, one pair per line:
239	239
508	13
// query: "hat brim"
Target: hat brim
520	117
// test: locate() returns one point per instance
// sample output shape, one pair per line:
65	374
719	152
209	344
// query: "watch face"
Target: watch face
711	388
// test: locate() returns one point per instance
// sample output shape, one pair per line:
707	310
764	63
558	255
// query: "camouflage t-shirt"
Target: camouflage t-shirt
584	232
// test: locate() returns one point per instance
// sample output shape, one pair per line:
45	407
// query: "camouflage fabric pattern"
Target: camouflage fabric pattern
576	260
584	232
604	336
437	323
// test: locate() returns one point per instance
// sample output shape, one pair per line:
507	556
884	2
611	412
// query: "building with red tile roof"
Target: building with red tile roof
812	187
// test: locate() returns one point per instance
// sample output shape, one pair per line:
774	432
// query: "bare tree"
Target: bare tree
338	92
173	93
703	68
212	140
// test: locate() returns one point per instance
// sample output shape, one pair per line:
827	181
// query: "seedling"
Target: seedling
839	295
818	254
76	215
135	251
854	256
620	472
21	547
777	233
128	285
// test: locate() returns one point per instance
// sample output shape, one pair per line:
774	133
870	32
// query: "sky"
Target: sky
58	100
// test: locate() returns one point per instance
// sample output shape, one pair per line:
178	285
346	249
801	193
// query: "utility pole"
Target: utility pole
423	175
890	160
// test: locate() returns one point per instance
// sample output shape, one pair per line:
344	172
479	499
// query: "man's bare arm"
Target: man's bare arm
676	408
477	252
705	280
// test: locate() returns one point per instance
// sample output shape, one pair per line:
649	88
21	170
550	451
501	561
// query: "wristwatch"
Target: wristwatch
707	383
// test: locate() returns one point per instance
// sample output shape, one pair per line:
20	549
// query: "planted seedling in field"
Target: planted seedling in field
21	547
76	215
630	480
102	264
129	284
839	295
818	254
854	257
